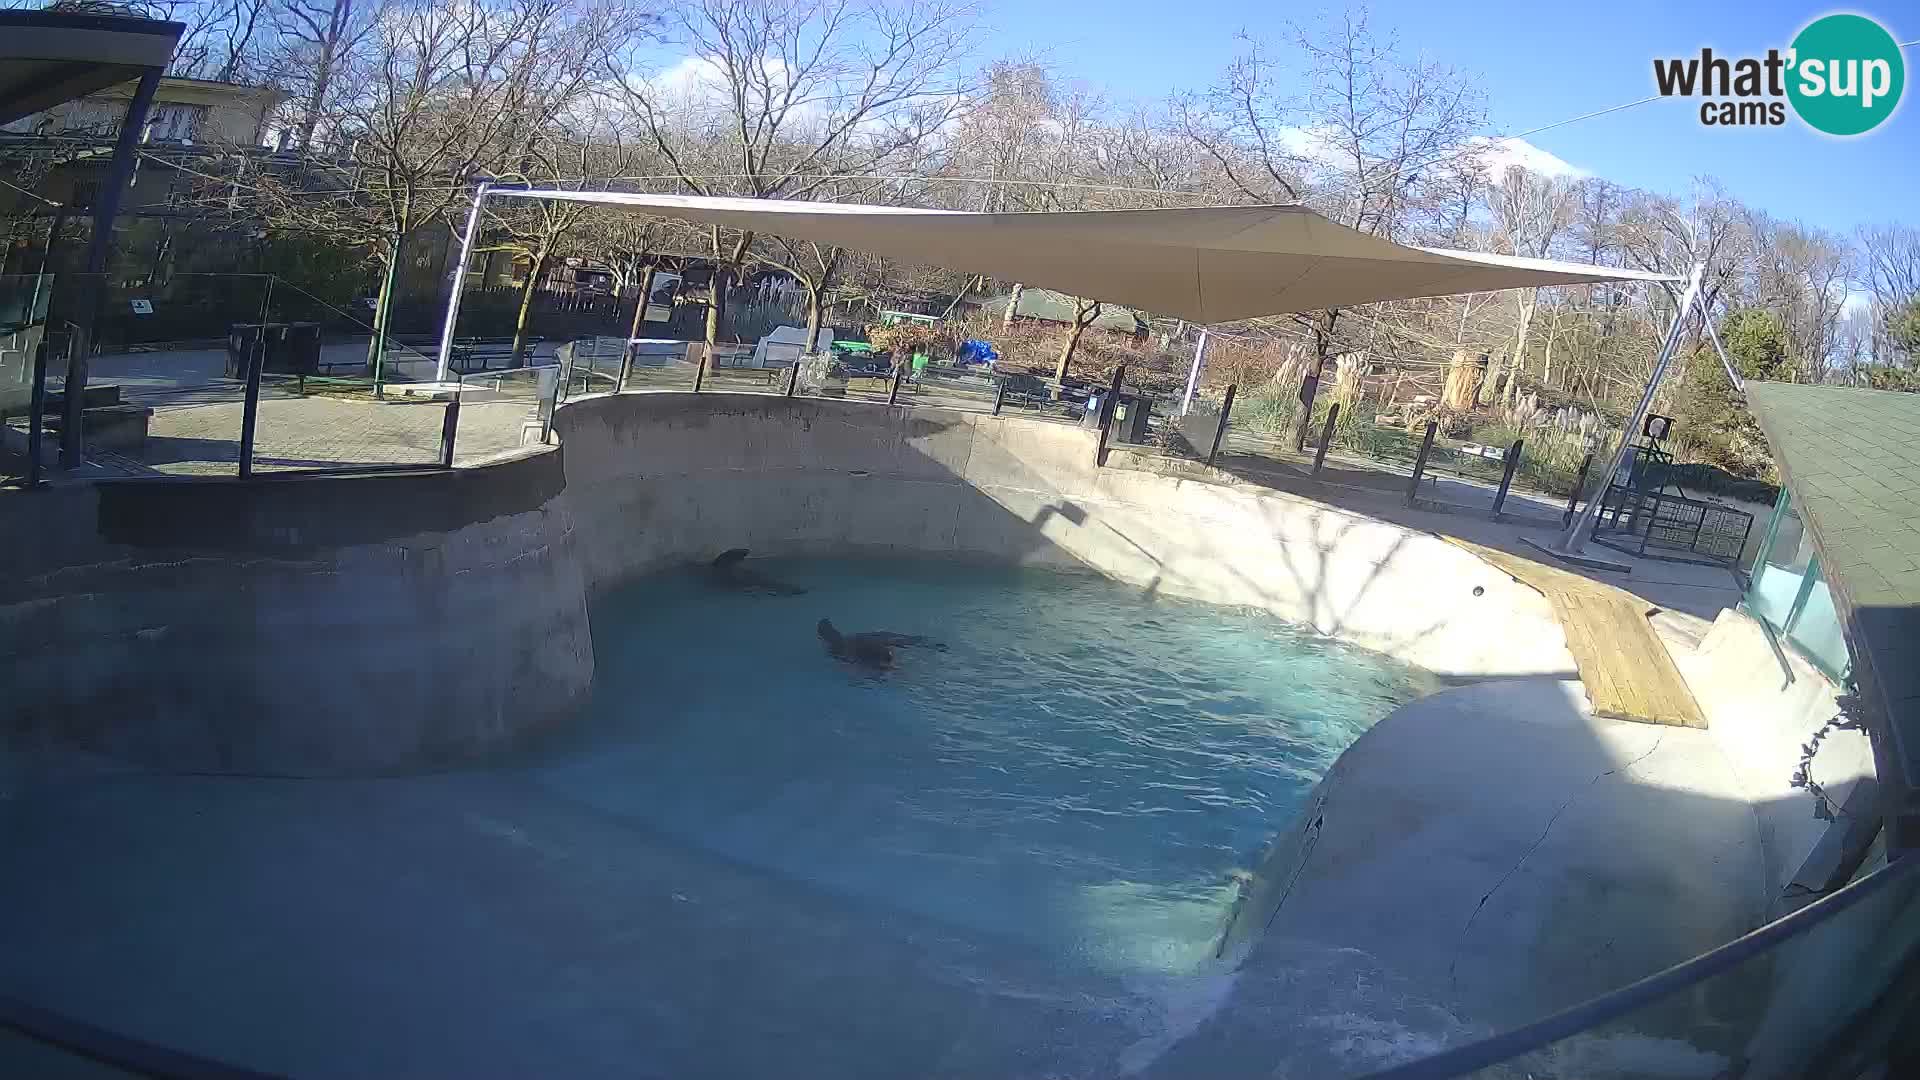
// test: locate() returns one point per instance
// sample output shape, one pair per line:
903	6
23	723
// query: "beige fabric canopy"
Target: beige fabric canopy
1207	265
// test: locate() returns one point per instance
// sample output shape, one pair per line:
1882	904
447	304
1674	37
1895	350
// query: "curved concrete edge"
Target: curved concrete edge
294	626
656	479
1503	854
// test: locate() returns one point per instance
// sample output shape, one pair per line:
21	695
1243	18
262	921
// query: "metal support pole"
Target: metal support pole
626	368
1420	461
460	284
1733	373
999	395
1108	405
1506	478
1575	538
99	247
700	371
1326	436
37	401
1219	432
250	407
793	378
256	368
1193	373
1579	484
383	311
449	427
893	389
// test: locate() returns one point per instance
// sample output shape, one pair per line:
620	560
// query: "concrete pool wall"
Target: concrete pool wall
325	625
304	626
658	479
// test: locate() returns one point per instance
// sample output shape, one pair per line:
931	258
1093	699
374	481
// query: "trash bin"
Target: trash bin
299	351
1130	422
291	348
243	340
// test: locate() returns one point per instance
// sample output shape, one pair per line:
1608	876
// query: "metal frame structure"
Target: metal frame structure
1572	543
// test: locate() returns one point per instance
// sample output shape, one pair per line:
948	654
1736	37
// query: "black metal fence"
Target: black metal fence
1663	526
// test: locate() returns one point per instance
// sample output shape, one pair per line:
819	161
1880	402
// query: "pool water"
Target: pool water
1078	769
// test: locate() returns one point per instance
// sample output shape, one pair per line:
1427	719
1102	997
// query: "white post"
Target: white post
1193	374
459	282
1733	373
1574	539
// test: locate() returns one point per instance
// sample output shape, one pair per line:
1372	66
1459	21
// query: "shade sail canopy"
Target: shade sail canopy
1205	264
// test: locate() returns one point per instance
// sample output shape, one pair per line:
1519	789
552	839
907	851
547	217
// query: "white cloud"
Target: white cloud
1498	154
1318	146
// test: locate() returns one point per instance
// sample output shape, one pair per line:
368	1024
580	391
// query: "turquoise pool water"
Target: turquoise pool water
1080	769
1008	858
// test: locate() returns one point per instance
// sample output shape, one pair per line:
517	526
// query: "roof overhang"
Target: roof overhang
1849	457
1207	264
47	58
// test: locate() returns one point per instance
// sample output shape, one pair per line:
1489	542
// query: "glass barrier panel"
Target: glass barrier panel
24	302
164	346
335	393
661	364
1778	579
500	412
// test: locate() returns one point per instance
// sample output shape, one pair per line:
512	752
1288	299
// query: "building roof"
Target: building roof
1202	264
50	57
1851	459
1061	308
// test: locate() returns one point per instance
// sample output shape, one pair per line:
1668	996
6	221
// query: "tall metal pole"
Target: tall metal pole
460	282
1574	539
133	128
1193	374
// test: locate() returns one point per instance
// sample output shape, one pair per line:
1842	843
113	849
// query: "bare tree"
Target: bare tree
1529	213
1362	144
780	98
1085	312
317	39
421	108
1890	269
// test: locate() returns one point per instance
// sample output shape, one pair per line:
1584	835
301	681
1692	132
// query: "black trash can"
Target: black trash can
299	349
291	348
243	340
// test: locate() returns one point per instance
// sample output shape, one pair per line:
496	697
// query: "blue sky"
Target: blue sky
1543	61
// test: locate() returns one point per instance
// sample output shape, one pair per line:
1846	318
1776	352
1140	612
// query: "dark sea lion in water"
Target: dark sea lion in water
725	571
871	649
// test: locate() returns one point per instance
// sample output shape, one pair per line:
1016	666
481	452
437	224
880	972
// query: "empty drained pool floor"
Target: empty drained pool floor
1010	856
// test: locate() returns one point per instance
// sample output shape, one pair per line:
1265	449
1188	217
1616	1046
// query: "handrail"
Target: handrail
1507	1045
113	1049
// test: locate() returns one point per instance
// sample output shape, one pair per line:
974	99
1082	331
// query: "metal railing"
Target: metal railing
1830	1004
1662	526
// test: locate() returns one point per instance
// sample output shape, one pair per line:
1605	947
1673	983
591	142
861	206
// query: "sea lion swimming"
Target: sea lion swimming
726	572
871	649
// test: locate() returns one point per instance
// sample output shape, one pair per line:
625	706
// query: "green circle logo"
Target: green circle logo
1847	74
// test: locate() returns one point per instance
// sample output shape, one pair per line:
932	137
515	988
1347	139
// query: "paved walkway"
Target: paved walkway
197	410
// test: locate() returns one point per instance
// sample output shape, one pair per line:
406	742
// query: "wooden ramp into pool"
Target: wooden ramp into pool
1627	671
